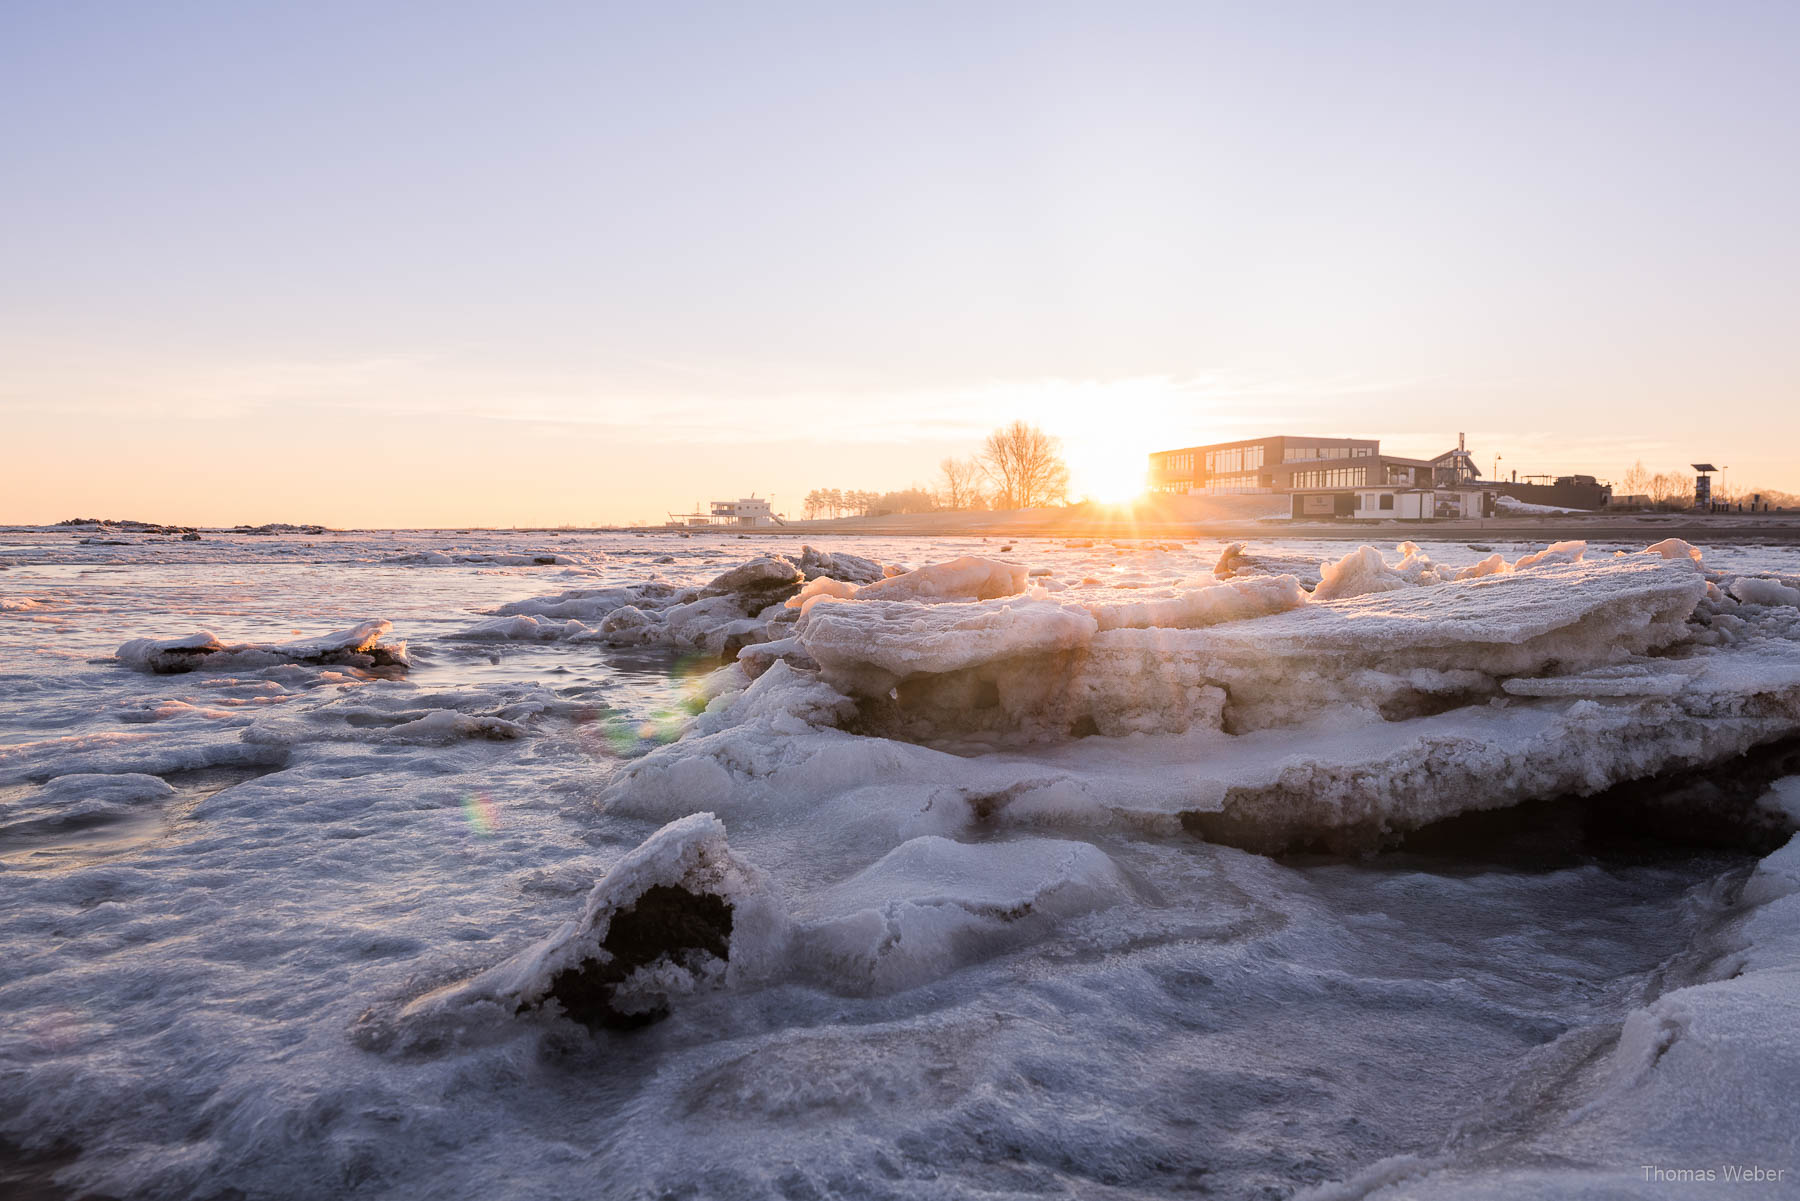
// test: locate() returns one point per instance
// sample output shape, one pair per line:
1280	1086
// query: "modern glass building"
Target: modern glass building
1284	463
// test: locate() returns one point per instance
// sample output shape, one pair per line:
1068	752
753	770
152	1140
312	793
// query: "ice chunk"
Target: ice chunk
1674	548
455	557
1363	571
522	628
933	903
735	609
679	914
767	574
784	700
1784	797
1230	559
360	646
1556	552
1197	607
968	578
592	604
391	713
628	623
838	565
123	788
1756	590
1037	668
866	647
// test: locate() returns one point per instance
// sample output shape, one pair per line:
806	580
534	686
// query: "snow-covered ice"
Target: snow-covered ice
711	867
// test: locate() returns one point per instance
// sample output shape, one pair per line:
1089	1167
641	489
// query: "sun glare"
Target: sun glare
1111	482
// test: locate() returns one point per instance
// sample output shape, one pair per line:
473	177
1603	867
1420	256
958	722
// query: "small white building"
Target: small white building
1394	504
749	511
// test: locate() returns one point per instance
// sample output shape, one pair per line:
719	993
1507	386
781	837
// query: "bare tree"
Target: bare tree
1636	482
905	500
1026	466
1773	497
962	482
1670	487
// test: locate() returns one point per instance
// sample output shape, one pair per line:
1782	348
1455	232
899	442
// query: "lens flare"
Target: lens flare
619	734
481	814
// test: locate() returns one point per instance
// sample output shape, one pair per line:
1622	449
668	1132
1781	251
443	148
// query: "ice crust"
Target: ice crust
948	889
1241	655
1251	711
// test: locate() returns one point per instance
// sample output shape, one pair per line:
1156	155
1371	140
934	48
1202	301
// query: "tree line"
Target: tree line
849	502
1018	466
1675	489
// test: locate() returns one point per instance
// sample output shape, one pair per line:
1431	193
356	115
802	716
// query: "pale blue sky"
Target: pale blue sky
451	263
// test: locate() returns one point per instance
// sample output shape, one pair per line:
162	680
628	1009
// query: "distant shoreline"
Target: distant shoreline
1780	528
1773	527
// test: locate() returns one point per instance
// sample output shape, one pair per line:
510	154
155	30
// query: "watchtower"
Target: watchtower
1703	485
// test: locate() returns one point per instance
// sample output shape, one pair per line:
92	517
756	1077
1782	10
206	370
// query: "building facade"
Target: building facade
1285	463
1394	503
750	510
1568	492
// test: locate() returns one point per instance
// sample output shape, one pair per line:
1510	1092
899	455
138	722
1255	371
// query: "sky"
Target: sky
372	264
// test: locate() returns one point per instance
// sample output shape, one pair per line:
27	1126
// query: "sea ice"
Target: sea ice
360	646
678	914
989	919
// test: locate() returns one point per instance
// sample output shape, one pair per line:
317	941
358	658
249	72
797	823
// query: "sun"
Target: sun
1111	482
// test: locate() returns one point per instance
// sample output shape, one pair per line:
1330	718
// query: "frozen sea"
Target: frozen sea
241	906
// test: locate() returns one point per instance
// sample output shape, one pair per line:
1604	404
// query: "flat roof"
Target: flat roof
1390	488
1338	438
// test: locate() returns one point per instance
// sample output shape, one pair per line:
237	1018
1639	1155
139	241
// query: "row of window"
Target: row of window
1177	464
1235	483
1234	459
1336	477
1370	501
1299	454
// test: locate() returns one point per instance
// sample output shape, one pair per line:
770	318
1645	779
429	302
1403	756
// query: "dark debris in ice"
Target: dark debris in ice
664	921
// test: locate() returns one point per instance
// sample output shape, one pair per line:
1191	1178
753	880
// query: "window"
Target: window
1387	500
1331	477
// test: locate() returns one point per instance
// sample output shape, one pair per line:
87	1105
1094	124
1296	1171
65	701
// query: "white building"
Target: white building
748	511
1394	503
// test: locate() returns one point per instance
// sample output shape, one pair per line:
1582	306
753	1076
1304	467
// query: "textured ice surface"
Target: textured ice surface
938	890
678	914
360	646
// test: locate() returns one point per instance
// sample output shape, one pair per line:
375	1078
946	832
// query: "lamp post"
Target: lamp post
1496	468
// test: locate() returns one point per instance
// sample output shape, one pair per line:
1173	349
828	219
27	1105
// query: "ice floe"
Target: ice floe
361	646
